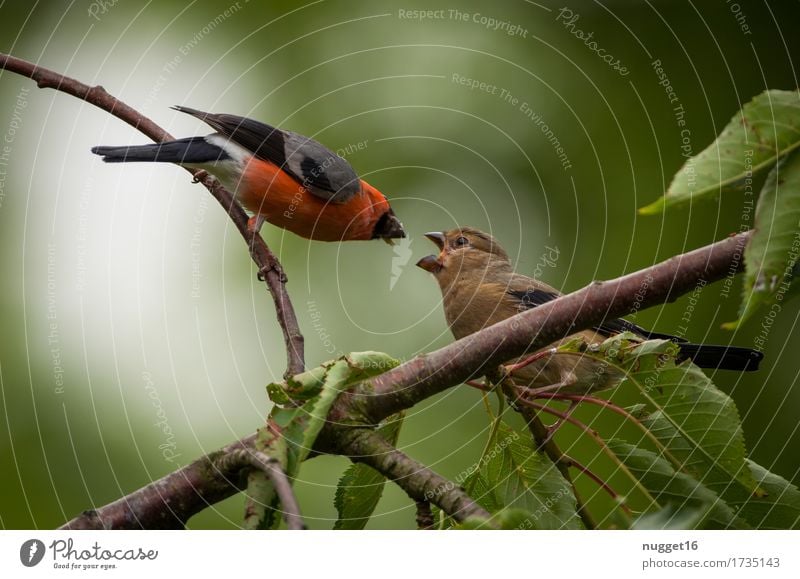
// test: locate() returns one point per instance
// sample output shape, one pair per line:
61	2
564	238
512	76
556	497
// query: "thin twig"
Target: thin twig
531	359
268	266
478	385
283	488
545	443
598	439
627	415
601	483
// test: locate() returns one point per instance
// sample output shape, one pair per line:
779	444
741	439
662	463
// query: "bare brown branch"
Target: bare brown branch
425	521
171	500
419	482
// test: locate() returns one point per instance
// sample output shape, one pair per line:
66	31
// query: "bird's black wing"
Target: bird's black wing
530	298
320	170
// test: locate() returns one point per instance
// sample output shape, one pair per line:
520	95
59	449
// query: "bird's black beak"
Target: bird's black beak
437	237
388	228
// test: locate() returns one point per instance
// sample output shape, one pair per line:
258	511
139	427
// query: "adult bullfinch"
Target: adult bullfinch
282	177
479	289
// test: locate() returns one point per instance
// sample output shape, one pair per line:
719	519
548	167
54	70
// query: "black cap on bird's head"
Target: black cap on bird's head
388	227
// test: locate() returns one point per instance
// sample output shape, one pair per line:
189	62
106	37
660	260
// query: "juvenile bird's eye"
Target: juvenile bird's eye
462	241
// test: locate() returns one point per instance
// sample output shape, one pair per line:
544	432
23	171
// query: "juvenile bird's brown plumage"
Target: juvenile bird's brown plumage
480	288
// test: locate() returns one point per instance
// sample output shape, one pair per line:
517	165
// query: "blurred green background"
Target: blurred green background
134	335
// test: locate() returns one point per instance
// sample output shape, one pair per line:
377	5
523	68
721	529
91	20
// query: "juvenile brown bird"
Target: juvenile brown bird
479	289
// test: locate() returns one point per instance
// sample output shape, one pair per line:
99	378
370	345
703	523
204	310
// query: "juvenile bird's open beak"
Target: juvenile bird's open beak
437	237
429	262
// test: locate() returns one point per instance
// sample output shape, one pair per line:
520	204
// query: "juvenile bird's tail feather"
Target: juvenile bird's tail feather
192	150
722	357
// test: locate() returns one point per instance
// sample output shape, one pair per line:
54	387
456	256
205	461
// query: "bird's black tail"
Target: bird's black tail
721	357
192	150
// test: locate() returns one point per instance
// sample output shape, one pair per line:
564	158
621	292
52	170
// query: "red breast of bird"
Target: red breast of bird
284	178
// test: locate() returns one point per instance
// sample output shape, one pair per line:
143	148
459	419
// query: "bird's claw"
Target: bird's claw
199	176
262	273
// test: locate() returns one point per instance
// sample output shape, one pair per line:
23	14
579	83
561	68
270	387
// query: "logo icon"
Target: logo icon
32	552
402	253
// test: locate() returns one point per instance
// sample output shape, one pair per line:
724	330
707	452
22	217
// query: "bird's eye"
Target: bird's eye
462	241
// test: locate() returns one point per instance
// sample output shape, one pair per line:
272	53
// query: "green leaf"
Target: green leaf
361	487
676	490
779	509
299	387
697	427
292	430
319	388
512	474
770	257
261	501
775	506
506	520
671	518
699	423
766	128
307	385
336	380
